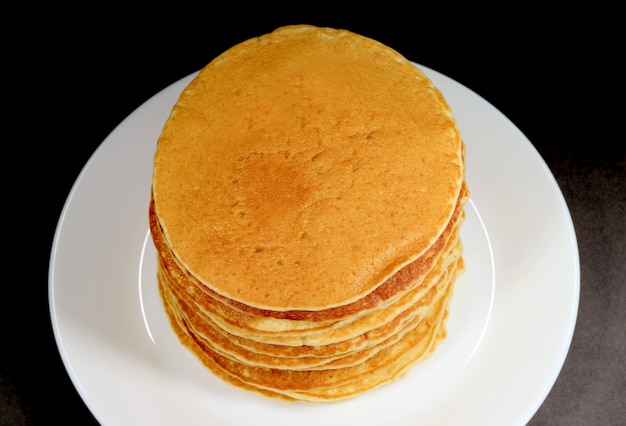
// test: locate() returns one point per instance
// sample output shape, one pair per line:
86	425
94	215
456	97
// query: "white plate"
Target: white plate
509	330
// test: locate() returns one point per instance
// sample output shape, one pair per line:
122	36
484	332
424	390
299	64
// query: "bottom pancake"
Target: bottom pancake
386	366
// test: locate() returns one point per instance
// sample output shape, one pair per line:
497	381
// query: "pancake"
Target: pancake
388	365
330	356
307	198
342	144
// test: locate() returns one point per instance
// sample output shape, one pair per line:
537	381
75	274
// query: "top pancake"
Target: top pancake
302	168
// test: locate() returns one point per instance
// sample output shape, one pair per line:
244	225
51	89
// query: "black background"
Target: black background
72	75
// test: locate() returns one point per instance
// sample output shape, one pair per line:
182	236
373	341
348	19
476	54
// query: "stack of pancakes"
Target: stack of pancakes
307	195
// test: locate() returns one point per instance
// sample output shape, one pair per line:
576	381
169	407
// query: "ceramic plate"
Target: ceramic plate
510	325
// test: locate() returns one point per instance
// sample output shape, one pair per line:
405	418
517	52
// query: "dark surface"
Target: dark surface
74	75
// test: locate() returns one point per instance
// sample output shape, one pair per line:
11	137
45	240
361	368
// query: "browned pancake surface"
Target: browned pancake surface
301	169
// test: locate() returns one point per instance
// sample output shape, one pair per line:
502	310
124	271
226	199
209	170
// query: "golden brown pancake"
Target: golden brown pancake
330	356
384	367
307	197
286	154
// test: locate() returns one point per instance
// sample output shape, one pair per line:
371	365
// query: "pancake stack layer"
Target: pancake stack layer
307	197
